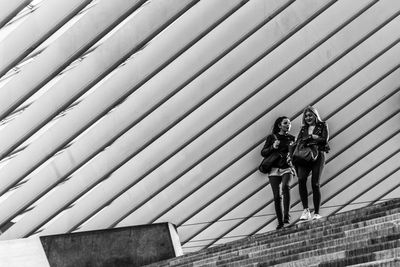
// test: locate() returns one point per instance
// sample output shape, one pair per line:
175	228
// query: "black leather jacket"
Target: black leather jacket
284	148
321	129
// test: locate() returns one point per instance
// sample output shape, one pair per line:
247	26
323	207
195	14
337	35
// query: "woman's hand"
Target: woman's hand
314	136
289	159
276	144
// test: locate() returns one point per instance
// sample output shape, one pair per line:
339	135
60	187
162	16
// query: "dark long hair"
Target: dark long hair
278	121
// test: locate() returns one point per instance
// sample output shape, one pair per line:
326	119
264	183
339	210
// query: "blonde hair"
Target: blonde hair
313	111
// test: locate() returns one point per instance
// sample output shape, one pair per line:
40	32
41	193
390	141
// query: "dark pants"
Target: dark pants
281	184
303	171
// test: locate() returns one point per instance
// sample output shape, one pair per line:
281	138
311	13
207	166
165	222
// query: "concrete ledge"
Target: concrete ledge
119	247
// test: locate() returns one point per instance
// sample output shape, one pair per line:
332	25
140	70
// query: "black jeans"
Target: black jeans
303	171
281	184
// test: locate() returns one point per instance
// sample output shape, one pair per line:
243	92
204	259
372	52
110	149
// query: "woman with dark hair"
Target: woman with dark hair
281	173
314	132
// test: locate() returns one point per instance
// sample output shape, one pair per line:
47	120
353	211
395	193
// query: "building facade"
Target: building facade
128	112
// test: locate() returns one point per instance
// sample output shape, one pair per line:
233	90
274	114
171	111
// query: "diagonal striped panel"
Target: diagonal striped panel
118	113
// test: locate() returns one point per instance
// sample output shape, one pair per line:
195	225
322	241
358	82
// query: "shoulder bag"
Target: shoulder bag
269	161
305	153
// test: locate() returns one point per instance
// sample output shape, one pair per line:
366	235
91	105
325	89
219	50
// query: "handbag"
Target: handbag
305	153
267	162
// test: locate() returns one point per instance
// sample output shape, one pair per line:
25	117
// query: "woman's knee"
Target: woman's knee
315	185
302	173
285	187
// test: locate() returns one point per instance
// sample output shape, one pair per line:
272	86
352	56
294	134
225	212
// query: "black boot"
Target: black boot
280	226
286	219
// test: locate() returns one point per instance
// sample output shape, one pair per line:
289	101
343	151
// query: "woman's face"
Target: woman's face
285	125
309	118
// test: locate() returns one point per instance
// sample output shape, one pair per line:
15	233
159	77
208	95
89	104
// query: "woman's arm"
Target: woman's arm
303	134
268	148
324	137
292	145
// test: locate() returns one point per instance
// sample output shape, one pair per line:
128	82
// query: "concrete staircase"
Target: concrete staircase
368	236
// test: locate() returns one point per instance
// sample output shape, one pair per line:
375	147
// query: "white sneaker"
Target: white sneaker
306	215
316	216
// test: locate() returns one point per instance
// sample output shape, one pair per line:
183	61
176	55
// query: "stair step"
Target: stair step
333	229
340	235
328	242
335	259
291	242
340	248
302	229
388	254
331	244
394	262
365	254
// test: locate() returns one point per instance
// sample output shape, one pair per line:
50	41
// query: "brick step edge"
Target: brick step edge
327	223
363	213
363	254
393	262
305	228
346	231
358	233
313	250
351	216
384	229
331	259
362	259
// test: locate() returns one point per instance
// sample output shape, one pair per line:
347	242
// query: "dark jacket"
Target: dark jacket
284	148
321	129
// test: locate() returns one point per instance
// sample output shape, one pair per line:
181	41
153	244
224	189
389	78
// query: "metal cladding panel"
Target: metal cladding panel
37	27
158	111
10	8
23	253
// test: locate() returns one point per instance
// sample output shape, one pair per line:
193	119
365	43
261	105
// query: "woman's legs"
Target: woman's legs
286	179
275	182
302	174
317	169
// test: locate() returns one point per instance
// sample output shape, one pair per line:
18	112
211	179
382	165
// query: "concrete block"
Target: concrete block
118	247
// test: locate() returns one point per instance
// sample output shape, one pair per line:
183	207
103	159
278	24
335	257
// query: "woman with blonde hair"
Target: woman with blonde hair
313	133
